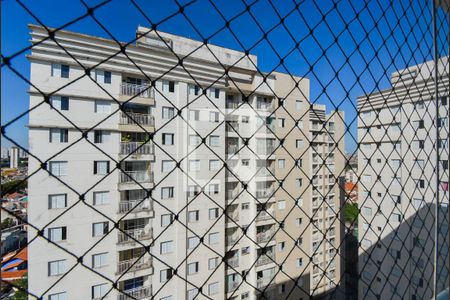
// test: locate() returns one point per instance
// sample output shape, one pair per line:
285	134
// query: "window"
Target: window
194	140
214	116
58	296
193	242
99	229
281	163
214	164
57	234
281	204
215	92
168	112
367	178
59	70
165	275
194	115
367	211
213	213
101	198
245	206
192	268
166	247
103	76
58	135
419	105
298	222
396	217
213	238
101	136
166	192
420	183
281	246
194	165
299	262
298	104
191	294
213	189
57	201
245	119
166	298
167	138
168	86
298	181
166	219
214	140
193	216
102	107
444	100
444	164
246	162
167	166
56	267
212	263
246	296
245	250
101	167
194	90
60	102
281	122
99	291
442	122
213	288
99	260
300	202
58	168
299	143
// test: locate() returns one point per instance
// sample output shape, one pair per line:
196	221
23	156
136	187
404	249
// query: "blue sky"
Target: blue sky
328	56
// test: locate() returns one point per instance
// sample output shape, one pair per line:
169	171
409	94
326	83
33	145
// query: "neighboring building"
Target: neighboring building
4	153
262	185
14	157
351	191
398	182
14	265
351	175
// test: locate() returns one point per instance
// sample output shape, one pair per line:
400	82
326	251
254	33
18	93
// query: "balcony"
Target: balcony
134	205
136	293
265	193
232	215
265	215
231	239
265	236
233	262
136	176
232	148
139	90
264	281
265	259
127	148
133	264
232	285
133	118
265	149
133	235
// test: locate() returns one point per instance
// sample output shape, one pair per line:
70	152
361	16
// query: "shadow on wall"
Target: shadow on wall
400	265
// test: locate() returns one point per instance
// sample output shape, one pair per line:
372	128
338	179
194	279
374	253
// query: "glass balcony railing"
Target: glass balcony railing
132	118
136	176
142	292
133	235
129	89
127	148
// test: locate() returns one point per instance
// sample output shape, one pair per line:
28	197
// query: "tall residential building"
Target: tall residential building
14	157
192	165
398	186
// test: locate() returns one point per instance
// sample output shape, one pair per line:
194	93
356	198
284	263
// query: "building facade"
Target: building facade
207	175
400	135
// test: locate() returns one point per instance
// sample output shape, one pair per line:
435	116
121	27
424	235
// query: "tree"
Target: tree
6	223
21	294
13	186
351	212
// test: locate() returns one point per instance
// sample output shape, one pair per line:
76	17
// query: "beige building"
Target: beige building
192	165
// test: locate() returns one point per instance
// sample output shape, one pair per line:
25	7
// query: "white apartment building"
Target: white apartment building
398	184
146	149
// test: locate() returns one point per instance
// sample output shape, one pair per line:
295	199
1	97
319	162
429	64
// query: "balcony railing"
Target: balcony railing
232	285
133	264
265	150
140	90
231	239
264	215
266	193
136	293
134	205
136	148
136	176
265	259
132	118
133	235
231	149
265	236
232	215
262	282
233	262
